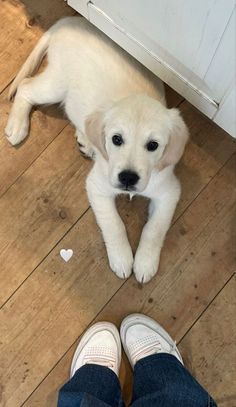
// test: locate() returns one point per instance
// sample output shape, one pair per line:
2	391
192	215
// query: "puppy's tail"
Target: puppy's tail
32	63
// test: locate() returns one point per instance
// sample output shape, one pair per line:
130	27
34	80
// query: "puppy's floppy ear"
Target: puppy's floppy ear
94	128
178	138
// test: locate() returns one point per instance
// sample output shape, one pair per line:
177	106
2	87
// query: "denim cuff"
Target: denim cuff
163	380
97	381
162	357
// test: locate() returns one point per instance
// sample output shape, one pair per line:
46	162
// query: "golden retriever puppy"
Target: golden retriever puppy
118	109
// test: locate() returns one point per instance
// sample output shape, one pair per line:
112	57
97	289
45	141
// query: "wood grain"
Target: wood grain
172	98
46	124
28	221
176	297
52	306
191	235
22	24
209	347
197	259
40	208
47	304
208	150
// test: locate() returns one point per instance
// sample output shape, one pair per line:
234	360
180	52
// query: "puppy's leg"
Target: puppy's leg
84	144
18	121
161	211
39	90
113	230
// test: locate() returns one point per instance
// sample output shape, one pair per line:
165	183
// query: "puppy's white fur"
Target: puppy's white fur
106	92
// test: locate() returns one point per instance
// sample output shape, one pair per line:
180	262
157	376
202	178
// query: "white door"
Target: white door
189	44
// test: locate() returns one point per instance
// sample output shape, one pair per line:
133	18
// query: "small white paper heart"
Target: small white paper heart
66	254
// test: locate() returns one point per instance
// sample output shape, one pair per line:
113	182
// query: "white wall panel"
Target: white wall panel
189	44
189	30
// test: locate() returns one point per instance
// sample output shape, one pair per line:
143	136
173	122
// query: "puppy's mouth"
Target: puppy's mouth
126	188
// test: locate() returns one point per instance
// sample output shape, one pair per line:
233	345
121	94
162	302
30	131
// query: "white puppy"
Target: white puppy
118	110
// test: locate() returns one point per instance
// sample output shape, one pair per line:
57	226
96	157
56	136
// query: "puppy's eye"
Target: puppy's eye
152	145
117	140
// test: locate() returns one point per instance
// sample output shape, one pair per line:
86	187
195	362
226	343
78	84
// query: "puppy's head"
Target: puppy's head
137	135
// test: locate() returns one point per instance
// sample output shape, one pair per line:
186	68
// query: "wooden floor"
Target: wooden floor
47	304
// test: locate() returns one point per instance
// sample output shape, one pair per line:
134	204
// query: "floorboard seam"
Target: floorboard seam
182	101
178	104
81	216
125	282
71	346
208	305
26	169
41	261
3	89
205	186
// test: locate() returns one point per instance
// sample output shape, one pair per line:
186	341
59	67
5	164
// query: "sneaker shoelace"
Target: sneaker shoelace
147	346
100	356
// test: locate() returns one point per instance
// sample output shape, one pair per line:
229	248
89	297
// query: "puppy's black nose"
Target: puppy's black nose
128	178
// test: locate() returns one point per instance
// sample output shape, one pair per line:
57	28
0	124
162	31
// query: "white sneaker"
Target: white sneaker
142	336
100	345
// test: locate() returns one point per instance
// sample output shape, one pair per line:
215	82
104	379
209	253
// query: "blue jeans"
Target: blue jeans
159	381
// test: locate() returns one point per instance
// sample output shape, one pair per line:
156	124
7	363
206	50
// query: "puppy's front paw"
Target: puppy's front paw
87	150
146	264
121	261
85	146
16	129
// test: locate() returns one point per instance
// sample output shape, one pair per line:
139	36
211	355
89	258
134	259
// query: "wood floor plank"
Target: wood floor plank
39	208
23	223
209	347
46	123
172	97
208	150
197	260
54	296
54	304
21	25
14	162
